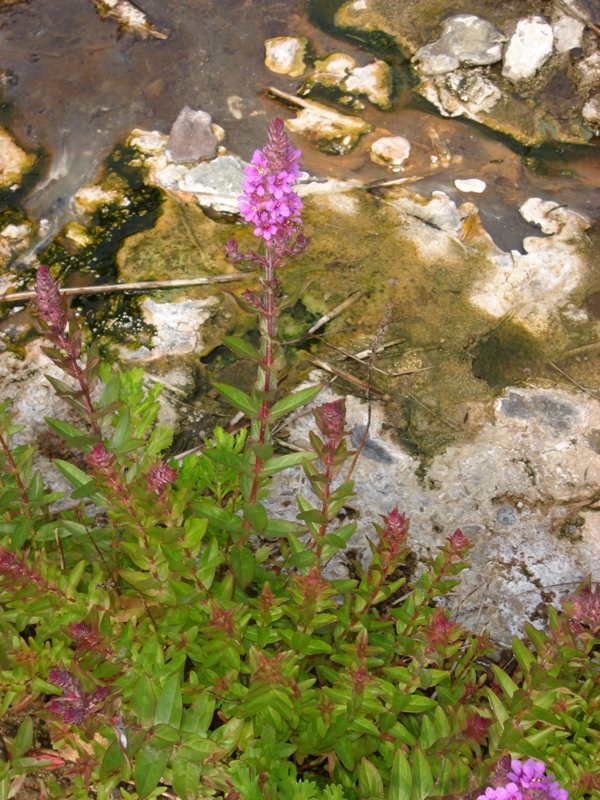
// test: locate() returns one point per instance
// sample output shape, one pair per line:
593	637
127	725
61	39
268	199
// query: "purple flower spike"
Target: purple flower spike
269	201
528	781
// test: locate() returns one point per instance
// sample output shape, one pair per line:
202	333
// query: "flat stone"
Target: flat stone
470	185
216	183
466	40
391	151
528	49
328	129
374	81
191	137
285	55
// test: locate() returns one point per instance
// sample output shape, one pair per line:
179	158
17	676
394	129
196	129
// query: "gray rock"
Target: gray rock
222	176
544	410
191	137
466	40
528	49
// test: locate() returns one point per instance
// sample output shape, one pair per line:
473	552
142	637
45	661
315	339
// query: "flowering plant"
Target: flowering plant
166	633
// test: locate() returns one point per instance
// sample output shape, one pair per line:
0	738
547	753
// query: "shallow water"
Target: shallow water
78	85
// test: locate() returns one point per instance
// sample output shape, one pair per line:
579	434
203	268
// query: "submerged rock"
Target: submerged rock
464	92
470	185
466	40
191	137
285	55
528	49
130	18
14	239
328	129
391	151
339	70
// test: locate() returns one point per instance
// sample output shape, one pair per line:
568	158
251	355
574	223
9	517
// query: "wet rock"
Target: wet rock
374	81
466	40
468	93
14	239
470	185
591	113
130	18
528	49
285	55
326	128
191	137
178	328
90	198
391	151
14	162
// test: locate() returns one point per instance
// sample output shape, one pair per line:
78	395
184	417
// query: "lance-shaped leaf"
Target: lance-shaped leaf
293	401
240	400
242	348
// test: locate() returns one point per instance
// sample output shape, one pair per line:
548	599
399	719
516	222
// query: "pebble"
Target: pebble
470	185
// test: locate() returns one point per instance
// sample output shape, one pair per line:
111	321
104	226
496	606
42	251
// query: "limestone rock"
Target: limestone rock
285	55
328	129
191	137
14	162
178	328
217	183
591	113
391	151
374	81
89	198
466	40
466	92
528	49
568	33
470	185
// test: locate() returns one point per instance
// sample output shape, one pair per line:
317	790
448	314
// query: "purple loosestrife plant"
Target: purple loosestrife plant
527	781
270	203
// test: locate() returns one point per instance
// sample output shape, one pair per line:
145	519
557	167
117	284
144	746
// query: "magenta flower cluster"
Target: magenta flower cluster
527	781
269	201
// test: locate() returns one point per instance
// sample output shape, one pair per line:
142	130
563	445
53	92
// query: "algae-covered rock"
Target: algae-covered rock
329	130
14	162
285	55
341	71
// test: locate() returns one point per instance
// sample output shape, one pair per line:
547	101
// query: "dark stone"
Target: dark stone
506	515
371	449
552	413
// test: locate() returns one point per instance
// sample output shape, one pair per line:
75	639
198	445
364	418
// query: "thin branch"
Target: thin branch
335	312
345	375
140	286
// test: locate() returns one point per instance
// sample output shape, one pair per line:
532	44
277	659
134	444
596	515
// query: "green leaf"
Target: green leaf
422	777
344	751
256	515
186	778
293	401
143	702
123	430
240	400
416	703
522	654
113	757
242	564
400	778
164	736
242	348
231	460
370	783
169	705
150	765
281	463
509	687
78	479
24	738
